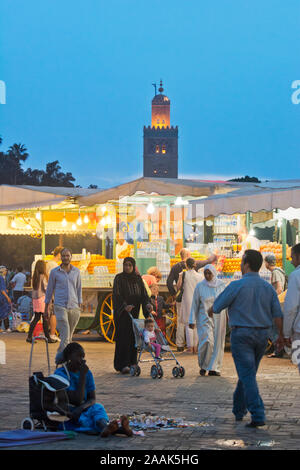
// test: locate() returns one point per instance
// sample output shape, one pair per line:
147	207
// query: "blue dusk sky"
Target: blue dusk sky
79	80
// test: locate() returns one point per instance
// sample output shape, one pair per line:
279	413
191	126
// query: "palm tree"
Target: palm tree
17	153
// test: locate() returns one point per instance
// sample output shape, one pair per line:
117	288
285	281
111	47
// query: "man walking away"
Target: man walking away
65	284
252	305
173	279
291	309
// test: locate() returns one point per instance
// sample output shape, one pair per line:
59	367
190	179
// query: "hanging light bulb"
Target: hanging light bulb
252	232
108	220
103	209
103	221
64	222
74	227
179	201
13	224
279	222
150	208
79	220
28	227
86	219
38	215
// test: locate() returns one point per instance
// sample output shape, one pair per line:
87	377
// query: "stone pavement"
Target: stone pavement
193	398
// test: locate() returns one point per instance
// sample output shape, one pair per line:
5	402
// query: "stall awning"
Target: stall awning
26	197
259	197
159	186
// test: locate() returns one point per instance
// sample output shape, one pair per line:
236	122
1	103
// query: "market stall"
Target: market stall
152	219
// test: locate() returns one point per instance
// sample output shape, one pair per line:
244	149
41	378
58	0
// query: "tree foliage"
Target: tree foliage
246	179
12	172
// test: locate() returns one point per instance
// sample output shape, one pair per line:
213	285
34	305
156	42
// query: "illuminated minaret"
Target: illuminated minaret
161	140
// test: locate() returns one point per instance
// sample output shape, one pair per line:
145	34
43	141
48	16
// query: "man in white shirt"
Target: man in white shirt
51	264
18	282
121	245
291	321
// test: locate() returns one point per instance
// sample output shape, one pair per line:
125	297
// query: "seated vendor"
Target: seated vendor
85	414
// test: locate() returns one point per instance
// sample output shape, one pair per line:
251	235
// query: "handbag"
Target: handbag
179	294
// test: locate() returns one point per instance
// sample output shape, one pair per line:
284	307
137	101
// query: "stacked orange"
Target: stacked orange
275	248
232	265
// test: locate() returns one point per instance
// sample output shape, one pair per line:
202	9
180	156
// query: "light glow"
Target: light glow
150	208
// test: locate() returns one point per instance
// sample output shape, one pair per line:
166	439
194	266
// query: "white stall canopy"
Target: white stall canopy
254	198
160	186
27	197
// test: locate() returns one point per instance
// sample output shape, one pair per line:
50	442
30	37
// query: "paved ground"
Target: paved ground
194	398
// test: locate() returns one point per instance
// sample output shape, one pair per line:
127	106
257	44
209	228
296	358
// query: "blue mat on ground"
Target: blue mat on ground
22	437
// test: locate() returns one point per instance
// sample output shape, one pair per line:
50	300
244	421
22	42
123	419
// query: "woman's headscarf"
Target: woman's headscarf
215	281
132	275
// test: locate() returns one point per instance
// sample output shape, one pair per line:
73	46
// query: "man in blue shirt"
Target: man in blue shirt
65	283
252	305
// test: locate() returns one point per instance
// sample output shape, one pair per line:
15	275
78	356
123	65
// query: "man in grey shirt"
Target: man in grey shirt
65	284
252	305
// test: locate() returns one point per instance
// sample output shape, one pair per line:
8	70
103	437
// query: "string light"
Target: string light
150	208
64	221
79	220
86	219
74	227
13	224
38	215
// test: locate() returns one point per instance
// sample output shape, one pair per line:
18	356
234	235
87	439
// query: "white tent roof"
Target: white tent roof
259	197
160	186
26	197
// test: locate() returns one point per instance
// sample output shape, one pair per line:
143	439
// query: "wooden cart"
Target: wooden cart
100	318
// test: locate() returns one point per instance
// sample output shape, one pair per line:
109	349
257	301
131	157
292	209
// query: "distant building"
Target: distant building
161	141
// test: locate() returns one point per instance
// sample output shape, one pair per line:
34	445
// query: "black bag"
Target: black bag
180	292
47	394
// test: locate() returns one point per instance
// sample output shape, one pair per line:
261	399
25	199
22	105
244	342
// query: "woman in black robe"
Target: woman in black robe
129	293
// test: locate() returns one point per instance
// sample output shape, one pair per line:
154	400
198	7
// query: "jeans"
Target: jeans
180	331
66	321
248	346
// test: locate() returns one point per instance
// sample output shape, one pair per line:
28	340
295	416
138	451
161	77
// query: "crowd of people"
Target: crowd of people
203	303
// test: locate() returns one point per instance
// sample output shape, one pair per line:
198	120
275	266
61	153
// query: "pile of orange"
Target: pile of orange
232	265
275	248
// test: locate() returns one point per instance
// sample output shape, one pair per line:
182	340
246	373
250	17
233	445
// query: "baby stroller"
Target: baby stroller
156	369
48	399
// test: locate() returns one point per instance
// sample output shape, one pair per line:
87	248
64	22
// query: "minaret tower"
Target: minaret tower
161	140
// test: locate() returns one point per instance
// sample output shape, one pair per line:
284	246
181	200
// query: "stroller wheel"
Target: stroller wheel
175	372
181	371
160	372
27	424
154	372
137	371
132	371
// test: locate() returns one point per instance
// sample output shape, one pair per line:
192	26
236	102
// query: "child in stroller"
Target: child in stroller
149	336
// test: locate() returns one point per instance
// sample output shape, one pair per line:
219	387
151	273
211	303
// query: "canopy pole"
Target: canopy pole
168	228
283	240
43	236
248	220
103	243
